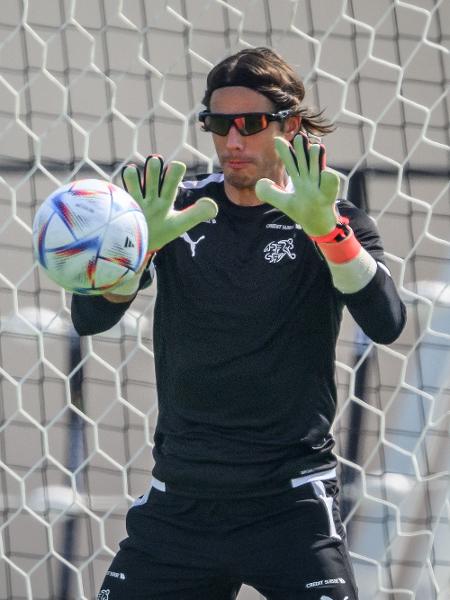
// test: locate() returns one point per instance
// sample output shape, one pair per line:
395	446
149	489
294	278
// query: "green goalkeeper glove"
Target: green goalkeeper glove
312	203
156	196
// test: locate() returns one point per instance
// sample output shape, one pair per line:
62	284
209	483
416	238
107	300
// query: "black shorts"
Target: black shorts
288	546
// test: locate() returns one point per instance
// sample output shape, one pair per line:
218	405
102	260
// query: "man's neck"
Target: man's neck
242	196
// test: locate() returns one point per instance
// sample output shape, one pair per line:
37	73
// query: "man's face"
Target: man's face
245	159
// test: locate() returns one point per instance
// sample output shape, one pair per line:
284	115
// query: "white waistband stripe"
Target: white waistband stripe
158	485
298	481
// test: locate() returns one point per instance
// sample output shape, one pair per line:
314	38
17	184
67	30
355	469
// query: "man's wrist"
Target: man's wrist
340	244
341	251
126	291
118	298
351	266
340	232
352	276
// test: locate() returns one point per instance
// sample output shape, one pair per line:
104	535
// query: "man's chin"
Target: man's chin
240	180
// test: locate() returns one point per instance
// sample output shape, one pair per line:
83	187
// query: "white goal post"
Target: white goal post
86	87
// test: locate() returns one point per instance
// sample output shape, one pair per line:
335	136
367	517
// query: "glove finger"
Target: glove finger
181	221
171	180
270	192
329	185
322	158
285	152
153	174
301	146
202	210
131	180
314	163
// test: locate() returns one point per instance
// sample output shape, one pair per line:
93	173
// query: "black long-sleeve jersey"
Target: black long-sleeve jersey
245	327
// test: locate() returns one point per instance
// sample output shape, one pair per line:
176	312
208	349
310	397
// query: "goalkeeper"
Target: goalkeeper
254	265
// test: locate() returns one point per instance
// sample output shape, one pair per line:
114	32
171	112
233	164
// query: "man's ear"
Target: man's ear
291	127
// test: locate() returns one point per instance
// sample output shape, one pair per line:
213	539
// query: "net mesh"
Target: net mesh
86	87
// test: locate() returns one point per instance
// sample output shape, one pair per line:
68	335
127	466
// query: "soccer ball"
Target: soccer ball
89	236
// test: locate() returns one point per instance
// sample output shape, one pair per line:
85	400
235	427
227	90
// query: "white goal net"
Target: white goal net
87	86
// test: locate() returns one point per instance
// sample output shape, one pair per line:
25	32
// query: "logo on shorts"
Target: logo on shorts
276	251
103	595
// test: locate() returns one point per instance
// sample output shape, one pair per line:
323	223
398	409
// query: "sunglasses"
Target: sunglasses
245	123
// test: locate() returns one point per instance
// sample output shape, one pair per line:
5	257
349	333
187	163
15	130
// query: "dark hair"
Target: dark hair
266	72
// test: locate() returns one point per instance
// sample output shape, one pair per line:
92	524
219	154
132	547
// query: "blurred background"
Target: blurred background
86	87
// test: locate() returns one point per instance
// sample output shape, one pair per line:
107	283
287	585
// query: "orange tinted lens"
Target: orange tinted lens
246	124
254	124
240	124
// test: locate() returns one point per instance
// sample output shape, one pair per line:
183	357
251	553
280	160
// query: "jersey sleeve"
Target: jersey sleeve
94	314
377	308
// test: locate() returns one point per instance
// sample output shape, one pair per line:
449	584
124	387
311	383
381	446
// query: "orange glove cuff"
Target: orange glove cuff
341	252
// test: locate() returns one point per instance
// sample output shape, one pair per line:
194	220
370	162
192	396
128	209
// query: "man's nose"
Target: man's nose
234	138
